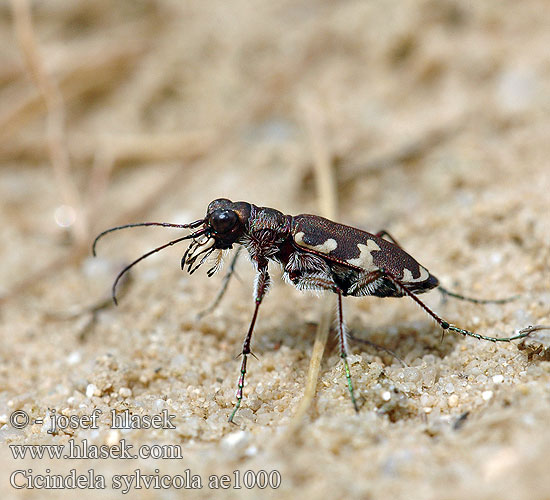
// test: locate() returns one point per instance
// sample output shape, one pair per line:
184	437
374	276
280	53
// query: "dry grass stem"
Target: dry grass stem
53	99
328	201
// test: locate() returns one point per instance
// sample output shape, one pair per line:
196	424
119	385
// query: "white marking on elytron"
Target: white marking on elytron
326	247
408	276
364	261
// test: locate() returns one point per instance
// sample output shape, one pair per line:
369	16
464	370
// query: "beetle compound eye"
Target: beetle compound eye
223	220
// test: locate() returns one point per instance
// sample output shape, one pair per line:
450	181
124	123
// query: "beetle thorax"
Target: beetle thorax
267	230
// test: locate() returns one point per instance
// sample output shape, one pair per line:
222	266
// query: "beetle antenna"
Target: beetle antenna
191	225
151	252
448	293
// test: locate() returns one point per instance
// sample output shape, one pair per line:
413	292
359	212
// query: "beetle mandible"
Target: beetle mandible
315	254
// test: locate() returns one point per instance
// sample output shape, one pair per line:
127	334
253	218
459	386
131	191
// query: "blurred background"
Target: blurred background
432	117
108	111
108	106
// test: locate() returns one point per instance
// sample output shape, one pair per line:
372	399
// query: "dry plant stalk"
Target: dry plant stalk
85	71
328	201
55	115
124	148
409	151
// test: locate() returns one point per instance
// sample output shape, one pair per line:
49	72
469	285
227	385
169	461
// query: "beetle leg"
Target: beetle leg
318	283
343	342
314	283
223	289
365	284
383	233
262	285
309	272
445	324
448	293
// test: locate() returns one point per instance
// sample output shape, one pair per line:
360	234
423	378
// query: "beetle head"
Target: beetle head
227	221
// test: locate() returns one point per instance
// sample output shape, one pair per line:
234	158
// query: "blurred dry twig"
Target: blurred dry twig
402	153
328	201
89	68
53	99
124	148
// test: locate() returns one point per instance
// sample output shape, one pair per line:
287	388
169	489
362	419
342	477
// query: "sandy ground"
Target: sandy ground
434	118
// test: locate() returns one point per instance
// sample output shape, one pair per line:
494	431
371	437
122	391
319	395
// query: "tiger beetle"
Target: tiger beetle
315	254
